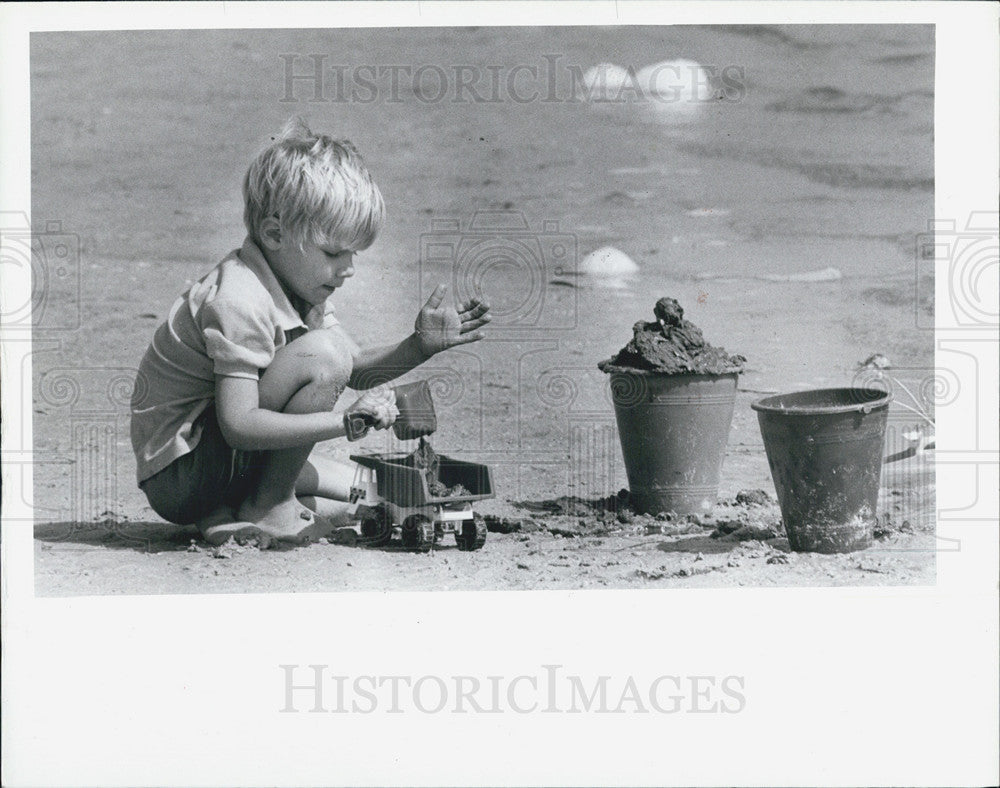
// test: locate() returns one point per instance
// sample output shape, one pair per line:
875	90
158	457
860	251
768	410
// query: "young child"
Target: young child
241	380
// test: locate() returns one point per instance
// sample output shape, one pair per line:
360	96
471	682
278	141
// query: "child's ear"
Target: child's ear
270	233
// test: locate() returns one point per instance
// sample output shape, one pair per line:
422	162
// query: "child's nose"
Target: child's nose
346	269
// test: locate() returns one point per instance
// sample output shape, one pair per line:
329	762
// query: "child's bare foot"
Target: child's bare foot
286	521
221	524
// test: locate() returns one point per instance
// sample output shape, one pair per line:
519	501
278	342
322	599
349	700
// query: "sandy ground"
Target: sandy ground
110	565
566	544
143	173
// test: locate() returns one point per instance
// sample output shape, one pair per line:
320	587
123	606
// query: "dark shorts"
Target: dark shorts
197	483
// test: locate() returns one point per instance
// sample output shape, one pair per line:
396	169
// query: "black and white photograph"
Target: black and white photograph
353	302
600	325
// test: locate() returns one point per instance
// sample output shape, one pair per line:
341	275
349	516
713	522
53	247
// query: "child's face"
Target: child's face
312	272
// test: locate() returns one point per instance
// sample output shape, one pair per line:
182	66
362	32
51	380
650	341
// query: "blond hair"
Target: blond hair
317	187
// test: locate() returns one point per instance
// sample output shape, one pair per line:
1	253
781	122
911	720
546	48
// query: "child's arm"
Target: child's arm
437	328
247	426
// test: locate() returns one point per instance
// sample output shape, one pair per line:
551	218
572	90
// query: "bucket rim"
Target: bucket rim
769	404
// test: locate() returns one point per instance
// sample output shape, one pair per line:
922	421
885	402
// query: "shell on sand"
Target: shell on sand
675	81
604	81
608	263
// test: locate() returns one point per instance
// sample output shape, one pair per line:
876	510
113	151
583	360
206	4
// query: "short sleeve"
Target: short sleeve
239	338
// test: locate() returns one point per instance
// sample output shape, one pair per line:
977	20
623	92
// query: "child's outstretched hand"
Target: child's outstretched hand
441	327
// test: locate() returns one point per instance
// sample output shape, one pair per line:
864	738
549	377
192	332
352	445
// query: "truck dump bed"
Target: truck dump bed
406	486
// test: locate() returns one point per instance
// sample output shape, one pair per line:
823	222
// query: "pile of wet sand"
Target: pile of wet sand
671	345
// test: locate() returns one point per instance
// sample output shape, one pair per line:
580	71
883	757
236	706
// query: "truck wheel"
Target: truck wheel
376	528
418	533
472	535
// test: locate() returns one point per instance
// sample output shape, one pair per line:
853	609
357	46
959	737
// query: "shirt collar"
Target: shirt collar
251	256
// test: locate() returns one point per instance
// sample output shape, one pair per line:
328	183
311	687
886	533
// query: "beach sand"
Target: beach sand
139	144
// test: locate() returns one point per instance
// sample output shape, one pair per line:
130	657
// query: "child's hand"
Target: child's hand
380	404
441	327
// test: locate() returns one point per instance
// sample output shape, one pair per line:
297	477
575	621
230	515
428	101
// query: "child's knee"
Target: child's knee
329	385
336	362
316	361
328	365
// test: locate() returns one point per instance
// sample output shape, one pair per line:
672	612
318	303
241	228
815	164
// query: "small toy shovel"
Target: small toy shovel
416	414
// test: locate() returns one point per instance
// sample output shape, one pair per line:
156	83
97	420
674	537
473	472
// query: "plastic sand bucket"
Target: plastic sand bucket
673	431
825	451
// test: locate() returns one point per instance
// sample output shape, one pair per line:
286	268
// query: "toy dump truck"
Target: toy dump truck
391	495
